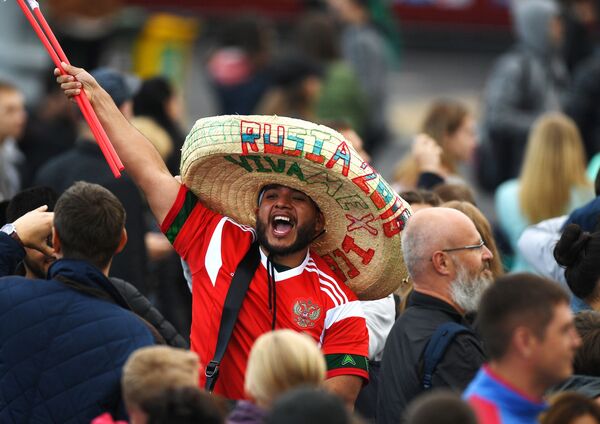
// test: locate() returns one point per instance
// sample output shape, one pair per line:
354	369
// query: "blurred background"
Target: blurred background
475	75
433	48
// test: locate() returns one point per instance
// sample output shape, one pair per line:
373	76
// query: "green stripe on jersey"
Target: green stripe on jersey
344	360
183	214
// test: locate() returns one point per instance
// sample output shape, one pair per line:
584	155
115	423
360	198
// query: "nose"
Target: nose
487	254
284	200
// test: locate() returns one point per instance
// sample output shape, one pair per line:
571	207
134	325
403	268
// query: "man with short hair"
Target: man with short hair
35	264
426	409
450	268
12	123
586	364
305	190
149	371
530	337
65	339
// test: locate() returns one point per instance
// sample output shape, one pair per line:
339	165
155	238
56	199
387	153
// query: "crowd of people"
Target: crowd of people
260	270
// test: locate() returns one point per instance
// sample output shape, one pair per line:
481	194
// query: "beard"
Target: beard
304	236
35	268
466	289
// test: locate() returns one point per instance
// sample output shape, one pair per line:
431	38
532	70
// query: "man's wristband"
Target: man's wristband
11	230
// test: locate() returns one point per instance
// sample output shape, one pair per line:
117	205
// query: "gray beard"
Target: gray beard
466	291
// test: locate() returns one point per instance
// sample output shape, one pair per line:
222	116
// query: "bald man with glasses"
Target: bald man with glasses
449	266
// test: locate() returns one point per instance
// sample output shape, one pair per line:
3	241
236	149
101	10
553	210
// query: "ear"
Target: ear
136	414
442	263
56	243
524	341
122	242
320	222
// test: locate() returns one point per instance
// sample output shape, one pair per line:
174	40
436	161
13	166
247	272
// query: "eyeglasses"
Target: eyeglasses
470	247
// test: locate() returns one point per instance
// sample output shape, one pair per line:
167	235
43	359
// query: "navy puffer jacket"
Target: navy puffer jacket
61	350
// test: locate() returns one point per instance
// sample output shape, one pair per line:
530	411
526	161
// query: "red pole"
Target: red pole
86	102
95	125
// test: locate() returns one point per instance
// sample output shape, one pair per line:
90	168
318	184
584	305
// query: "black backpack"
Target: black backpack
436	348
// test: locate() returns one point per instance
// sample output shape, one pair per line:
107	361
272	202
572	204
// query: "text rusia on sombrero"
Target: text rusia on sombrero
227	159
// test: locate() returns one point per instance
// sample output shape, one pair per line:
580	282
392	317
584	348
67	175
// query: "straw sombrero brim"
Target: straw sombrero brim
226	160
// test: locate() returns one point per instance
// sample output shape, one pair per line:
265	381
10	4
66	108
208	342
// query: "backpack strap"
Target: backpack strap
436	347
115	297
233	303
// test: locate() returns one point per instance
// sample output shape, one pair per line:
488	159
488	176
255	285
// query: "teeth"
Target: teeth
282	218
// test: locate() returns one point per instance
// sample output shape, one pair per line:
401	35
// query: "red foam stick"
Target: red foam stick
88	113
63	57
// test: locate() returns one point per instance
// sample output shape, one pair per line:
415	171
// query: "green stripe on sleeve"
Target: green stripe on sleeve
344	360
186	209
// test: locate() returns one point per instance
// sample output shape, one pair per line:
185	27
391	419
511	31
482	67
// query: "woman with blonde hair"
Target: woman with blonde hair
452	126
552	181
278	361
484	228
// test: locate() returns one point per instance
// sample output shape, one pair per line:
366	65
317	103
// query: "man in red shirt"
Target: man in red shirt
309	298
293	287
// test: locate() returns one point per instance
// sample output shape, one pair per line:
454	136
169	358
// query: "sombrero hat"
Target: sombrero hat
226	160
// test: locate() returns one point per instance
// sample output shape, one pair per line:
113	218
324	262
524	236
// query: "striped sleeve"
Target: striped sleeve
345	339
179	213
189	224
346	364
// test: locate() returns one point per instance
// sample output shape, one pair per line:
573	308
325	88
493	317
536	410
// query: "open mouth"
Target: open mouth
282	225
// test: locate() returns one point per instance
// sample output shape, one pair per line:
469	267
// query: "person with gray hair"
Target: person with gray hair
449	266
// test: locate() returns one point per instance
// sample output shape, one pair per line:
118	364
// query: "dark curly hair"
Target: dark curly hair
578	252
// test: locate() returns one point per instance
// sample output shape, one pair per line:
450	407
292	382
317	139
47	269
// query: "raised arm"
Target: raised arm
142	161
30	230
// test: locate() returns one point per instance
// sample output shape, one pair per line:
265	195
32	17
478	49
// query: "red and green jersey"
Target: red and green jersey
310	299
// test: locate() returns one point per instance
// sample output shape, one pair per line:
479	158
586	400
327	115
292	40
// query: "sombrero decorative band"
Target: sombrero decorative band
226	160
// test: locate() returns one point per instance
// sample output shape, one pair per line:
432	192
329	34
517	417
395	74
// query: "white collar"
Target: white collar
284	275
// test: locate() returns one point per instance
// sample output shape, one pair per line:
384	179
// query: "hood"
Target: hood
531	21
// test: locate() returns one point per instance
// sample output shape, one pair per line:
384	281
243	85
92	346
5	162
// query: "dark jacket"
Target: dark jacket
587	216
524	83
401	376
62	350
587	385
141	306
84	162
581	103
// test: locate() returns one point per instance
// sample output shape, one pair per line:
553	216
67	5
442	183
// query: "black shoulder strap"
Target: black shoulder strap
97	292
233	303
121	301
436	347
